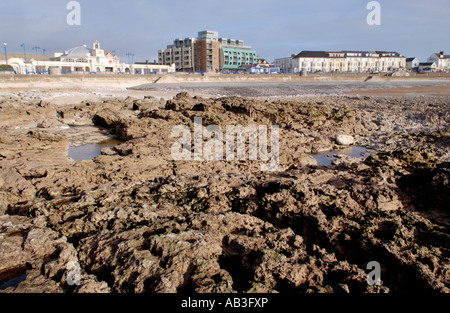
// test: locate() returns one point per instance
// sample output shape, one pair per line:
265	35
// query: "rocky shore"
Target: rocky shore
133	219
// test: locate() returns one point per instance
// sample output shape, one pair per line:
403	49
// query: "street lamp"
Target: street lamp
6	54
45	67
129	54
35	48
24	57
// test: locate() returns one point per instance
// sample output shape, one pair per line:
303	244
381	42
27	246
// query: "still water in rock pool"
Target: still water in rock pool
90	151
326	158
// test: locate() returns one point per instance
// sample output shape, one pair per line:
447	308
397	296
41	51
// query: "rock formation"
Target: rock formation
135	220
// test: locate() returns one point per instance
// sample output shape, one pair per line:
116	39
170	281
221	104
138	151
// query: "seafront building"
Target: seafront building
441	60
181	53
234	55
208	53
342	62
427	67
81	60
412	64
207	50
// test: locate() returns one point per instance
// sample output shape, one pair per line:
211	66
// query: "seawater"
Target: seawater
326	158
90	151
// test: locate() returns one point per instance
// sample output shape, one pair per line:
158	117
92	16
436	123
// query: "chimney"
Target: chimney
441	53
146	61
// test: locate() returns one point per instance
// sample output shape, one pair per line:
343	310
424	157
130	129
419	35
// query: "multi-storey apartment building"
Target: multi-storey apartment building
208	53
182	53
391	61
343	61
311	61
362	61
337	62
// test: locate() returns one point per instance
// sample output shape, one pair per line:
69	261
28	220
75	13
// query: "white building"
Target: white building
412	64
16	61
441	60
427	67
81	60
391	61
286	65
342	62
149	68
311	61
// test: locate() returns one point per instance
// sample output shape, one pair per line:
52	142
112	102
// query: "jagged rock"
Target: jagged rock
136	220
199	107
31	257
106	118
182	95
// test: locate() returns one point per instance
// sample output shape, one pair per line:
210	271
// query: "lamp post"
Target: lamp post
45	67
129	54
6	54
24	57
35	48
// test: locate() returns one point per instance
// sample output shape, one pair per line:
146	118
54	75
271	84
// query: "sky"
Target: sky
275	29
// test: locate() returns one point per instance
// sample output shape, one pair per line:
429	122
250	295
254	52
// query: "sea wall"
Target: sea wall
125	81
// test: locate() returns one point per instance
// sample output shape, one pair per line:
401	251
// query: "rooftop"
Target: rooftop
78	52
312	54
334	54
30	56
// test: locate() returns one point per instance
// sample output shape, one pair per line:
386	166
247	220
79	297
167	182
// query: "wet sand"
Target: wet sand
300	89
437	91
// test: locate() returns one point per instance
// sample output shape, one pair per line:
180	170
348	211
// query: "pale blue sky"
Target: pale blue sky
273	28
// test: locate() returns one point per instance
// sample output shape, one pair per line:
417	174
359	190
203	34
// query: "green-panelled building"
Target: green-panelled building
234	55
235	58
